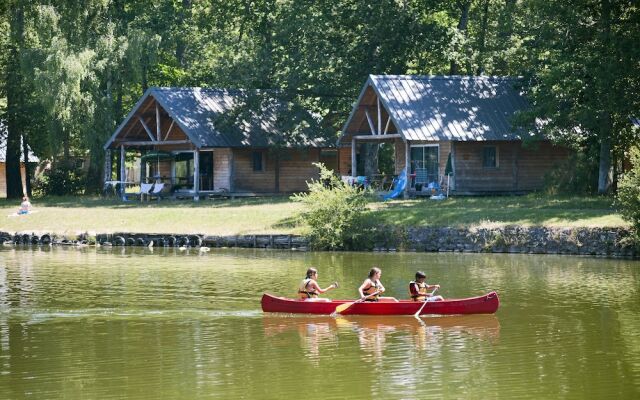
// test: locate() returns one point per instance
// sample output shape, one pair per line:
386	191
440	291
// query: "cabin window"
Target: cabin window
258	160
183	176
490	157
425	163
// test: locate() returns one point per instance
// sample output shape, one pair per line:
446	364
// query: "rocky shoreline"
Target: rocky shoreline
603	242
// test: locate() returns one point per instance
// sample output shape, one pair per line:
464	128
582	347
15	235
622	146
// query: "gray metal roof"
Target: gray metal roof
199	111
3	146
458	108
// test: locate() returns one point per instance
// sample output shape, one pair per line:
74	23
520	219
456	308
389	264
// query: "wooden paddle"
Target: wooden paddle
417	314
342	307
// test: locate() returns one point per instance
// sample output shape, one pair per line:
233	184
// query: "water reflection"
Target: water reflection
374	333
164	323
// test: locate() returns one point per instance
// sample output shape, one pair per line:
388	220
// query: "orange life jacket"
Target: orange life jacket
370	290
304	293
421	295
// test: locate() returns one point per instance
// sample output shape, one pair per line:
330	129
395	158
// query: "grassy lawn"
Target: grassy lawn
530	210
277	215
89	214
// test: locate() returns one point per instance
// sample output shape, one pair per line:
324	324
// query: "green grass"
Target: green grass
530	210
217	217
72	215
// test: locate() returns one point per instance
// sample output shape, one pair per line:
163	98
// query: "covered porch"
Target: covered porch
428	163
151	147
180	139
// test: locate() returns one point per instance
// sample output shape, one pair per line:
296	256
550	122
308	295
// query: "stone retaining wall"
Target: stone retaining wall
608	242
156	240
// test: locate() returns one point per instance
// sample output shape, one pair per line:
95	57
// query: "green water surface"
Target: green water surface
165	324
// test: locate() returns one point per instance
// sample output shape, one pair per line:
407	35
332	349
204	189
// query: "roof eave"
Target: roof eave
354	109
152	91
186	131
370	81
127	119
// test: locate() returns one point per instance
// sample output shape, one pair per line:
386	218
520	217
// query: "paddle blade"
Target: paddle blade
342	307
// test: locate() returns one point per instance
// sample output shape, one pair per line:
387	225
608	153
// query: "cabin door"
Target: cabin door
206	170
424	163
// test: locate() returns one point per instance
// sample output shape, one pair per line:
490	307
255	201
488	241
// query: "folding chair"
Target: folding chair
145	189
157	189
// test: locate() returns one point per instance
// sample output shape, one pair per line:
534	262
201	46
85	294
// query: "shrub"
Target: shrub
59	181
336	213
576	175
628	197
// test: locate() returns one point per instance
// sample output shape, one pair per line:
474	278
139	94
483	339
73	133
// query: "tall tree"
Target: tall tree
16	99
580	90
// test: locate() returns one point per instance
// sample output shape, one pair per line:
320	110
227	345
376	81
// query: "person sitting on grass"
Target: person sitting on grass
309	288
421	291
25	206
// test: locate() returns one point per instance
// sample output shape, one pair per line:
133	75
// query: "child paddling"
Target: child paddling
309	288
420	290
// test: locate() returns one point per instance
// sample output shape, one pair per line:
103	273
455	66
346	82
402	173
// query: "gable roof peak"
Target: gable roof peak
444	107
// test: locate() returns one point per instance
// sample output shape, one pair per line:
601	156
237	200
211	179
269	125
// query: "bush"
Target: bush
336	214
59	181
628	197
576	175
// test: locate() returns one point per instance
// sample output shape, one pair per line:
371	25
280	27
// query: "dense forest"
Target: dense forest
70	71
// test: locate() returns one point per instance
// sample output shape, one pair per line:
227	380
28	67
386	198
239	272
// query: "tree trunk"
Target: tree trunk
27	168
370	161
16	103
605	165
462	27
606	123
119	176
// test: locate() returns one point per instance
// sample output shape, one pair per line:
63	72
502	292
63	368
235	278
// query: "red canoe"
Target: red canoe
486	304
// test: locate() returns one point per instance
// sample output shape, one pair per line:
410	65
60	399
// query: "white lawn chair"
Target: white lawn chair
145	190
157	189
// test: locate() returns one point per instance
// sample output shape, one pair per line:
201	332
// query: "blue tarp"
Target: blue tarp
398	187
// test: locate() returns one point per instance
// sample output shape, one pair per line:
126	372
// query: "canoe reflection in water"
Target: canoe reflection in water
372	331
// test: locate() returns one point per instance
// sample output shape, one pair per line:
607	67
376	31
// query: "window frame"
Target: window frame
495	156
433	145
262	161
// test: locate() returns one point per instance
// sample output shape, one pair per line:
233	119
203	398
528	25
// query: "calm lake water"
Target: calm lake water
116	324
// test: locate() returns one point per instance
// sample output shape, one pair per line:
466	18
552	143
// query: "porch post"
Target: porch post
157	121
379	116
123	169
407	165
353	157
196	175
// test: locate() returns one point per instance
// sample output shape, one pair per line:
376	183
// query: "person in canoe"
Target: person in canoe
421	291
372	288
309	288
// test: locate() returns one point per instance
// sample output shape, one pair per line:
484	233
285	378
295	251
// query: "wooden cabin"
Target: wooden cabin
181	133
33	160
431	119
